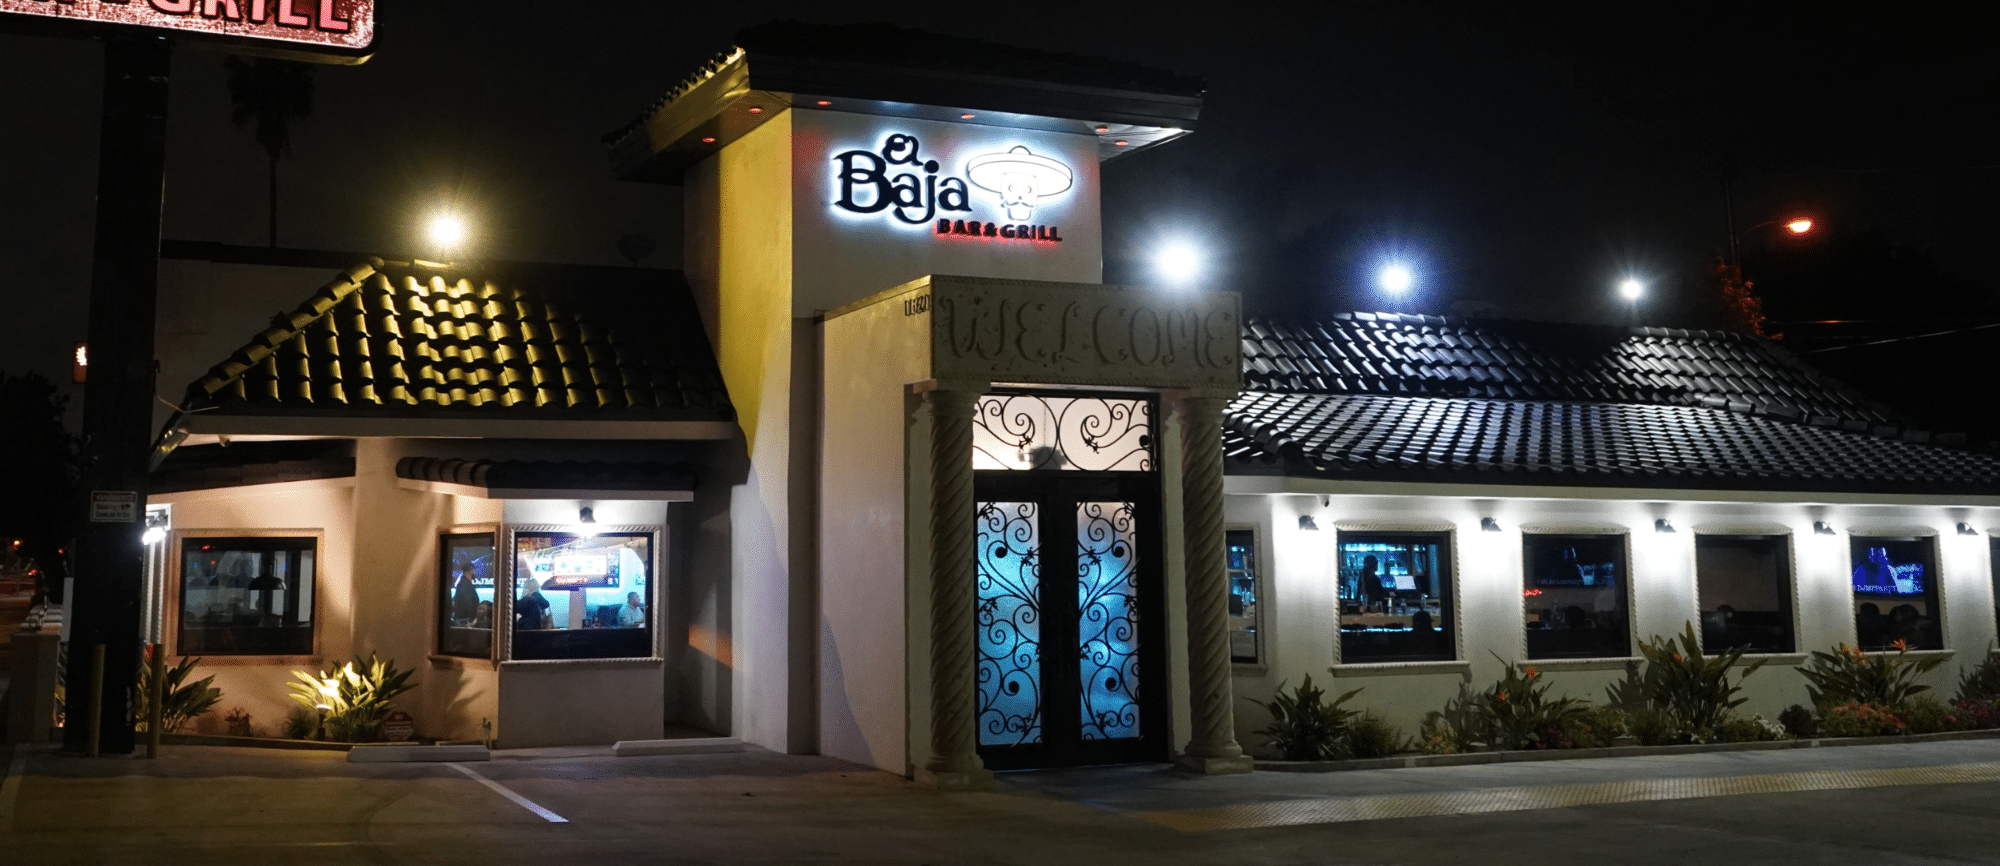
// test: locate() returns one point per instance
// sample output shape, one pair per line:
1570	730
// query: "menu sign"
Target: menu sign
338	31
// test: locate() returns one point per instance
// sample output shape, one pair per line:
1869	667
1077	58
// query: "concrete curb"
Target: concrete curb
1473	758
248	742
687	746
388	754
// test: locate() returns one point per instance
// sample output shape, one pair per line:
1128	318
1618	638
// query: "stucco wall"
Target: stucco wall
1300	631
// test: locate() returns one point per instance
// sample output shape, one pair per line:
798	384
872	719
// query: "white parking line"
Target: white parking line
10	788
523	802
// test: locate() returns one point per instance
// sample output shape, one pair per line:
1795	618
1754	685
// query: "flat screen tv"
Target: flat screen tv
1880	575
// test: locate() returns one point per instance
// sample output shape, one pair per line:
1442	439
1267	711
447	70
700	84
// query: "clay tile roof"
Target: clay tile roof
1571	405
509	341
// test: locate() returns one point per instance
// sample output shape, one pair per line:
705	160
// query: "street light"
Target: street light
447	232
1797	226
1394	278
1631	289
1178	263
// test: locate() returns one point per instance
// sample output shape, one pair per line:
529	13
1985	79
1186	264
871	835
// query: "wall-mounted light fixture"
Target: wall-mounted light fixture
1966	529
585	515
1663	525
156	528
1306	523
1488	524
1820	527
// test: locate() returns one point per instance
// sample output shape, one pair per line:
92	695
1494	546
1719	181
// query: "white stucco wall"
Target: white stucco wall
1301	635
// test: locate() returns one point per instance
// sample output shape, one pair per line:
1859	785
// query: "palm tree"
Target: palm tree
274	94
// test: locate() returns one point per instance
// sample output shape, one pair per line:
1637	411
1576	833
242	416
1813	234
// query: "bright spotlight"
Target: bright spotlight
1178	263
1631	289
1799	226
447	231
1395	279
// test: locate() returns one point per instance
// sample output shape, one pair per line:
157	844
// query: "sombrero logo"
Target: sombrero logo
899	179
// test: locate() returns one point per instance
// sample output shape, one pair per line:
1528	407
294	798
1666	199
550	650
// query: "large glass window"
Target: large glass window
583	596
466	570
247	596
1895	592
1395	597
1241	547
1575	597
1743	584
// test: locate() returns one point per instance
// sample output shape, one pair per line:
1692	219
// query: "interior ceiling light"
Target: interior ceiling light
824	102
965	116
755	110
1119	142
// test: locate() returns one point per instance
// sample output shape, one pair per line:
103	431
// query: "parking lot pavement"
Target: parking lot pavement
225	806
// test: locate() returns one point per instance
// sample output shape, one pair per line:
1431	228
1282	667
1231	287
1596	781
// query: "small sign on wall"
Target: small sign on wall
398	726
114	506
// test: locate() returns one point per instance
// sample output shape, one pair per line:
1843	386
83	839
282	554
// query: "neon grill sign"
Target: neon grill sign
900	181
339	30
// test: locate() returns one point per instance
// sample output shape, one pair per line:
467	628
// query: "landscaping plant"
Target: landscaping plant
1517	713
357	696
299	724
1449	731
1849	676
1595	727
1751	729
1371	736
182	700
1925	714
1304	727
236	723
1799	721
1861	720
1682	695
1982	682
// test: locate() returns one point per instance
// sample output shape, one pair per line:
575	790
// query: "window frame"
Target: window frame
1933	593
1447	620
1627	593
1260	582
438	619
176	600
1788	590
505	648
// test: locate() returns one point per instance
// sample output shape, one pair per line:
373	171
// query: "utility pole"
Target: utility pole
118	402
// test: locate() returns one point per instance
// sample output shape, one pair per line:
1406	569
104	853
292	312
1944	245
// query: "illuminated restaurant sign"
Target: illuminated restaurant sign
898	180
335	30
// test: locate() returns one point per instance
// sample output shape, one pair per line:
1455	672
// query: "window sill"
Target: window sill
460	663
1913	655
1606	663
1390	669
558	665
1249	669
215	661
1770	658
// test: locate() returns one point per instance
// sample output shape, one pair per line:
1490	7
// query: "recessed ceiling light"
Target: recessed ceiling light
1119	142
1104	129
710	139
825	102
965	116
756	110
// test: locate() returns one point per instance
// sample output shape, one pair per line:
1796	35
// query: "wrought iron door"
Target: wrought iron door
1071	639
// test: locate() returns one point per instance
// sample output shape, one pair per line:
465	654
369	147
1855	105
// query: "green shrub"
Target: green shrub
1799	722
1304	727
1754	729
1596	727
1860	720
182	700
1449	731
1682	695
1925	714
1371	736
1978	715
1849	676
356	694
1982	682
299	724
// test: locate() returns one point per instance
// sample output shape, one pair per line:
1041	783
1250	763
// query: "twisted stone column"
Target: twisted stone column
954	761
1212	748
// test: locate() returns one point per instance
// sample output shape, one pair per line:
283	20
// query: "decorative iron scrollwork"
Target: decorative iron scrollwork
1051	432
1010	629
1107	582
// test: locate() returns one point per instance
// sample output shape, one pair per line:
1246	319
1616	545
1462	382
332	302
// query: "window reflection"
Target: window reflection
1574	596
246	596
465	613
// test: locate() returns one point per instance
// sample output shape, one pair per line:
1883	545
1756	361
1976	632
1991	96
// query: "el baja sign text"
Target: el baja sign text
901	182
334	30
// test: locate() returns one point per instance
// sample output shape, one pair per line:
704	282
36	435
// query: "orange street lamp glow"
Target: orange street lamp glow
1799	226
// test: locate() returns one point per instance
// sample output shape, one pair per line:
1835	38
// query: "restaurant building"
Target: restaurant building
896	480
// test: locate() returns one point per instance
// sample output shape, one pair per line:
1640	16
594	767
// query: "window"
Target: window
583	596
1575	596
247	596
1895	592
1743	585
1395	597
465	603
1241	547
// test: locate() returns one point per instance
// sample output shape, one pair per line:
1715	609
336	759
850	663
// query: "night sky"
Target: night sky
1521	158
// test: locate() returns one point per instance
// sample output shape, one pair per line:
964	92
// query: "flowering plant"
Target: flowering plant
1686	693
1849	676
1517	713
1861	720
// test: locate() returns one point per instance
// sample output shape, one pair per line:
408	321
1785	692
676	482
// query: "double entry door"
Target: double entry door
1071	642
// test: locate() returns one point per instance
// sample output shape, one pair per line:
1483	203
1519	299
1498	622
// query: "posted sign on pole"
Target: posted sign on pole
114	506
326	31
